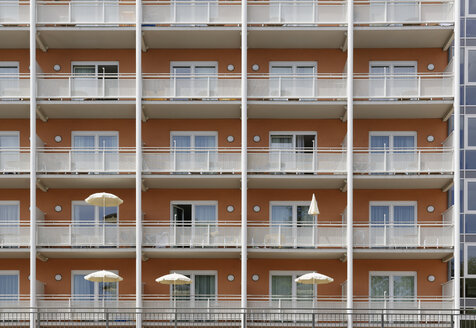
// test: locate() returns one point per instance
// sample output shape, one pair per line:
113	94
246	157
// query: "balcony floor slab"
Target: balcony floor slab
14	181
14	37
87	181
14	253
192	37
296	37
192	109
402	181
401	109
296	109
220	253
194	181
295	253
402	253
402	36
60	253
15	109
296	181
88	109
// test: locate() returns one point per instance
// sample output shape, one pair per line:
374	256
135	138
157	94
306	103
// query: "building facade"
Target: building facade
215	122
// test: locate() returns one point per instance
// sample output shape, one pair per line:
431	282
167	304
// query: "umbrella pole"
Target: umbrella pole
175	308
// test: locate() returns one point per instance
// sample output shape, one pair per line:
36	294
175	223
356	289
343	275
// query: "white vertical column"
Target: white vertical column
138	123
32	159
350	159
244	157
456	157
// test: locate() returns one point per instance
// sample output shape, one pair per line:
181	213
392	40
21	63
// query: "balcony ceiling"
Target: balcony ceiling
14	181
402	181
192	109
15	109
69	253
407	254
296	109
402	37
194	181
401	109
292	253
88	37
87	181
192	37
220	253
14	253
15	37
88	109
294	181
296	37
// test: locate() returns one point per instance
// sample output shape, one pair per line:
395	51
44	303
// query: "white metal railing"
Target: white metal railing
14	86
14	12
403	86
303	160
192	12
64	233
267	234
86	86
297	12
448	289
407	303
82	12
14	233
198	234
411	235
14	160
298	86
196	86
411	160
64	160
403	12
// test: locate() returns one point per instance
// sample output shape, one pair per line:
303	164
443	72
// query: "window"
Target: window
470	8
296	151
204	286
384	140
194	151
194	79
293	79
94	225
95	151
394	213
470	131
393	79
88	214
291	213
87	291
283	287
470	196
95	79
9	150
9	285
190	141
299	141
392	286
100	70
186	213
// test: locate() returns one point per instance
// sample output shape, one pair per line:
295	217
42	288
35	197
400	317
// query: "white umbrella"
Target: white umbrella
103	276
314	278
174	279
103	199
313	209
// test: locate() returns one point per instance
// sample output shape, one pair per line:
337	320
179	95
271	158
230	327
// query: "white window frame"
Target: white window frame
11	133
96	284
466	66
392	204
467	117
11	64
12	273
294	64
465	196
13	202
97	212
466	274
392	134
96	135
392	64
294	275
293	134
192	135
192	274
294	205
193	65
95	63
193	203
392	274
467	13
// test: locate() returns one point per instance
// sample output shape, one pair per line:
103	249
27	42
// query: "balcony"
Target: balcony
14	21
296	24
14	234
393	24
192	24
92	24
14	94
192	96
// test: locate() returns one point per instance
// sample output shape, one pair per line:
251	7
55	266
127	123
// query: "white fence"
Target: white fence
92	12
432	235
301	86
14	12
14	86
297	12
399	12
403	86
14	234
292	236
14	160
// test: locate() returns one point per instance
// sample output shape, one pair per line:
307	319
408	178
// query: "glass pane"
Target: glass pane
404	70
205	213
470	287
306	70
471	258
471	60
84	69
302	215
281	286
9	141
204	286
107	290
208	142
8	287
181	292
379	142
404	214
9	213
304	291
182	70
379	70
282	214
82	288
108	142
84	142
403	142
84	213
379	214
471	7
181	142
471	131
379	286
205	70
282	142
471	196
281	70
110	214
404	287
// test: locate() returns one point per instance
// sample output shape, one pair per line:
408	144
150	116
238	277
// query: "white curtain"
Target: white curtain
181	142
379	142
205	213
83	142
379	214
404	214
8	286
208	142
282	214
404	142
82	288
204	287
9	213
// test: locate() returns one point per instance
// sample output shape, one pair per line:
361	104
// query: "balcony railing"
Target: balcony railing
408	12
64	233
270	235
199	234
403	86
299	86
191	12
14	86
191	87
90	12
407	303
297	13
86	87
14	233
14	12
14	160
421	235
403	160
304	160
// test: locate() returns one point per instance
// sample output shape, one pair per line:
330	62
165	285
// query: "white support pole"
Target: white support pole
244	159
32	161
138	124
456	156
350	161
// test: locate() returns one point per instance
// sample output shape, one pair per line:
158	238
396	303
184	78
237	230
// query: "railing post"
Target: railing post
382	320
452	320
107	319
313	320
